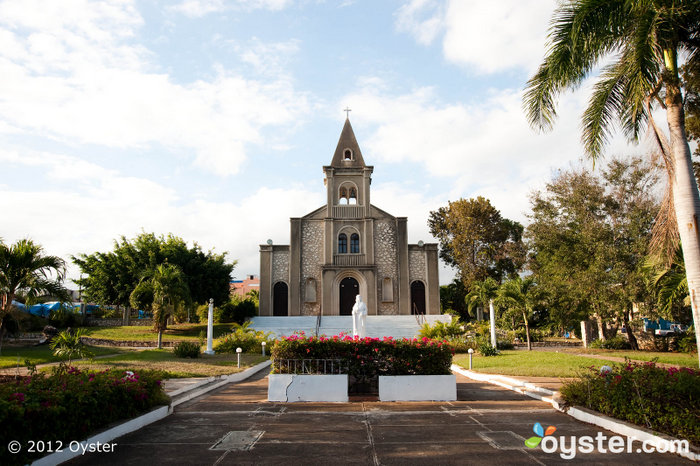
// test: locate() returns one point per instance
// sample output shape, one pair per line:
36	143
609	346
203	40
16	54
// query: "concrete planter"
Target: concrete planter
297	387
417	387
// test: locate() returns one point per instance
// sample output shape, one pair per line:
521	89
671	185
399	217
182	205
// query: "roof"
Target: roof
347	141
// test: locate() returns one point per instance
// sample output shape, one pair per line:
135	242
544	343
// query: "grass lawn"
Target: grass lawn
145	333
164	360
529	363
41	354
681	359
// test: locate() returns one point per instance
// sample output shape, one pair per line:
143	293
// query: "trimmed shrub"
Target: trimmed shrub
368	357
186	349
242	337
487	350
441	330
617	342
71	405
666	400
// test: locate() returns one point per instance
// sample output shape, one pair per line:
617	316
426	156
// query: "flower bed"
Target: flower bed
367	357
71	405
665	400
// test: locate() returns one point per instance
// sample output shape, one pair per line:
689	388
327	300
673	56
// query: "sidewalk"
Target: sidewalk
235	424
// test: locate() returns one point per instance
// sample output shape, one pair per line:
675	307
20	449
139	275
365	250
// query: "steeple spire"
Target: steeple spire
347	153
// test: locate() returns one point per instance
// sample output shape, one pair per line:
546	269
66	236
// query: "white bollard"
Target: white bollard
210	328
471	352
492	318
263	347
238	353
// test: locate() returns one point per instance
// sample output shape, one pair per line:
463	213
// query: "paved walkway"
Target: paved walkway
236	425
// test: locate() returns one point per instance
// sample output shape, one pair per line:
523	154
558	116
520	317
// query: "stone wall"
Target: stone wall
417	268
280	267
385	254
117	322
312	244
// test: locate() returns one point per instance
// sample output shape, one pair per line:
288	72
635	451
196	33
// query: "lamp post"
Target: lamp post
471	352
263	347
492	319
210	328
238	353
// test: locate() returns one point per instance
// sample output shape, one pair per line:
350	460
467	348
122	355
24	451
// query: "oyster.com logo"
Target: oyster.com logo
533	442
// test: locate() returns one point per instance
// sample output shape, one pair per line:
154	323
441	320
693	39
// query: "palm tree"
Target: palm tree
519	293
26	271
166	289
481	293
644	39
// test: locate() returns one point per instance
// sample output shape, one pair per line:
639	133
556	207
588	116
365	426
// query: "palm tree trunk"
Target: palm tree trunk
527	332
160	338
686	202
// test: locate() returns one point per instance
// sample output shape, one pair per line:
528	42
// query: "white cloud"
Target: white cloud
74	76
199	8
487	37
85	207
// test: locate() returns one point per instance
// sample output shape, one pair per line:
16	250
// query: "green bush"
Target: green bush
244	337
236	310
368	357
441	330
663	399
617	342
71	405
187	349
687	342
486	349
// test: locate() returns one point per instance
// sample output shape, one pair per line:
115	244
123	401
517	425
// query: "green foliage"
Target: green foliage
485	349
368	357
236	310
110	278
452	299
617	342
244	337
665	400
67	344
476	239
71	405
442	330
187	349
687	342
480	294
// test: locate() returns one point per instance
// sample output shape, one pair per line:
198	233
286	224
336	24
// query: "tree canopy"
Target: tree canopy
477	240
111	277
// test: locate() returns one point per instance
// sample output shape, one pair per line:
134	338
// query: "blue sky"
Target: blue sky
211	119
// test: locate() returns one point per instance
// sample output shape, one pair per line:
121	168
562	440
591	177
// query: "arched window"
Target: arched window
354	243
353	196
347	154
342	244
343	195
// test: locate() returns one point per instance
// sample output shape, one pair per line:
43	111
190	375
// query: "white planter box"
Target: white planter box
418	387
297	387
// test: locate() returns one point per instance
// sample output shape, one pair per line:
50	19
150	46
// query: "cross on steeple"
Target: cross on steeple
347	113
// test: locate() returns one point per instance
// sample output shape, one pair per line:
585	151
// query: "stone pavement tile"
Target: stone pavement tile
301	433
271	453
169	431
422	433
420	417
427	453
138	455
326	407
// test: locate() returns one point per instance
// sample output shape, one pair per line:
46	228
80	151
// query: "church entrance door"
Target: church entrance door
279	299
349	288
417	298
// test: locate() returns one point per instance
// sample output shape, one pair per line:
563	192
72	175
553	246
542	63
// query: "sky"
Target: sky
212	119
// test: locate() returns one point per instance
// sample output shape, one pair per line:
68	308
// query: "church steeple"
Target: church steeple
347	153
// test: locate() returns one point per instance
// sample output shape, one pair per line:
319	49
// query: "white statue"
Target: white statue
359	315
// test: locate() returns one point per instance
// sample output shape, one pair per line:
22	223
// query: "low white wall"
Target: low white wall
297	387
418	387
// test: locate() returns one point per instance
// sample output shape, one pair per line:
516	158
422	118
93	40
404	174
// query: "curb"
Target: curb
582	414
142	421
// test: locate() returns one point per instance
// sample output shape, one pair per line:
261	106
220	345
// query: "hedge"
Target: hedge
71	405
368	357
666	400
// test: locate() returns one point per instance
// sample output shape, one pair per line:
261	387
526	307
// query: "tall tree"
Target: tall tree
644	39
589	239
167	289
477	240
481	293
452	298
25	271
110	278
520	293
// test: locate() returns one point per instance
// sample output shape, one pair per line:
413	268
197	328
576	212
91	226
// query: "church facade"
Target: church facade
348	247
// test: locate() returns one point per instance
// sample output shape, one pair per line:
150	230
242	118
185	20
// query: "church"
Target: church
348	247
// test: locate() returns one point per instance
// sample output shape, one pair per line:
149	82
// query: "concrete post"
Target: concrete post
492	318
210	328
